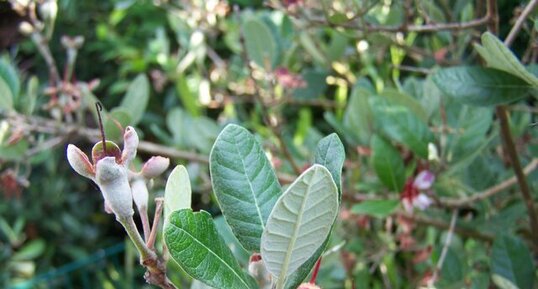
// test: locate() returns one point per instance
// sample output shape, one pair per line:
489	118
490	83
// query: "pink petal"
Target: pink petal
130	145
155	166
424	180
79	162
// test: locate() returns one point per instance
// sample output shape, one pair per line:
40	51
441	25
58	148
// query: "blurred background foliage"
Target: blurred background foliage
290	71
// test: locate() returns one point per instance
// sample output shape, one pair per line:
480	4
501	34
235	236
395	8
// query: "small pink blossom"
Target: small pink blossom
289	80
413	195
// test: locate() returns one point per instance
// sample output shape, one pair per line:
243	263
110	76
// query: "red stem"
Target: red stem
315	272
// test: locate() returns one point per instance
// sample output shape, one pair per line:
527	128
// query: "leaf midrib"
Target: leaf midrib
210	251
249	181
285	265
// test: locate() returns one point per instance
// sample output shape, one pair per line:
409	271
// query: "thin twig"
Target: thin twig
463	202
448	240
519	22
156	220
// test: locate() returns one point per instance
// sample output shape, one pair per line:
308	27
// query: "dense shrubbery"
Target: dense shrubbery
436	115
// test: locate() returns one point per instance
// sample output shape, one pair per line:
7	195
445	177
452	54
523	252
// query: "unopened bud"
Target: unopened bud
113	181
72	42
79	162
49	9
26	28
308	286
130	145
140	193
155	166
257	269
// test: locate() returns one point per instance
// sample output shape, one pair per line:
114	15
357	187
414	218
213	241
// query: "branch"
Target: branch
508	141
464	202
448	240
519	22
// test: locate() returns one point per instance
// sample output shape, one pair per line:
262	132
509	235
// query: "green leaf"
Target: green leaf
9	74
187	97
27	101
358	115
136	98
177	193
388	164
115	122
6	96
30	251
511	259
502	282
400	124
260	43
331	154
498	56
376	208
299	223
244	183
195	245
480	86
406	100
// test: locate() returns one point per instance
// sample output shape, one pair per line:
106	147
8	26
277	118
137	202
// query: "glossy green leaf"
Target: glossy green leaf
299	223
260	43
480	86
376	208
136	98
512	260
331	154
193	242
244	183
400	124
6	96
177	193
388	164
498	56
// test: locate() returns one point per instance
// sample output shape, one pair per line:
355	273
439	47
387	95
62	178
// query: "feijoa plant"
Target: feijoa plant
286	231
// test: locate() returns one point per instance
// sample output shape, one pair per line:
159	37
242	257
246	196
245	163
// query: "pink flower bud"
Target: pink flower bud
308	286
79	162
113	181
424	180
257	269
140	193
422	201
130	145
155	166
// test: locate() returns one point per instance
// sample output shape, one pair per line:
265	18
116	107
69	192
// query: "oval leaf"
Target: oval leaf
177	193
195	245
511	259
244	182
498	56
331	154
260	43
6	97
136	98
376	208
480	86
299	223
388	164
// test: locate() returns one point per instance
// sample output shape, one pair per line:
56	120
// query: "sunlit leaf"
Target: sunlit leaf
299	223
244	183
177	193
193	242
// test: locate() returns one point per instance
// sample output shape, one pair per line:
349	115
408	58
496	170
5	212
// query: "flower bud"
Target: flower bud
130	144
79	162
113	181
49	10
257	269
25	28
155	166
308	286
140	193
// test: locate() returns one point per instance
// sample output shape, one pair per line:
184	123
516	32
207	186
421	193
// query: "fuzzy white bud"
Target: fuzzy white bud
140	193
113	181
